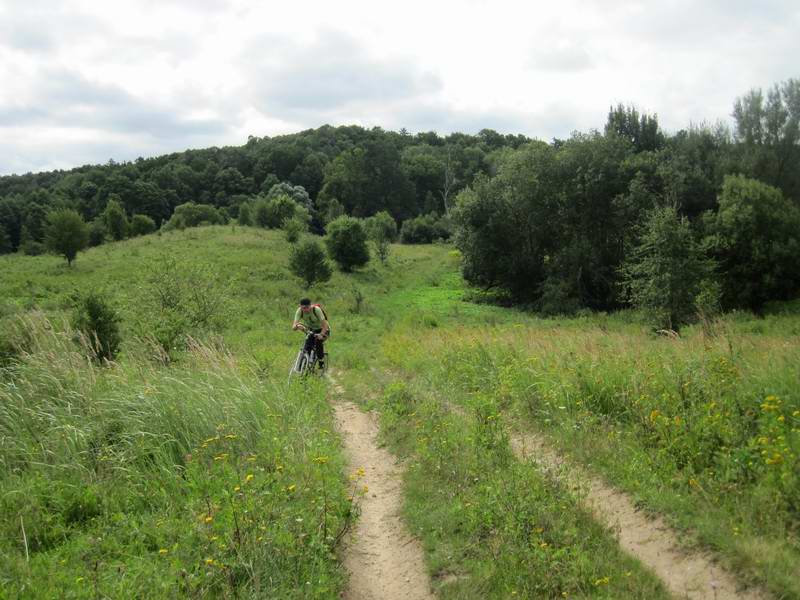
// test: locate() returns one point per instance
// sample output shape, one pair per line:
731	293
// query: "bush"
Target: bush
99	323
271	213
293	228
32	248
97	232
142	225
193	215
115	218
245	214
425	229
181	300
347	243
66	233
382	230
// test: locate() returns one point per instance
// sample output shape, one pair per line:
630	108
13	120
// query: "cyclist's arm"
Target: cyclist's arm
325	328
297	324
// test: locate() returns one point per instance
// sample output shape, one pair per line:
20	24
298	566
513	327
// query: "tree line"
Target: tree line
341	170
702	220
570	224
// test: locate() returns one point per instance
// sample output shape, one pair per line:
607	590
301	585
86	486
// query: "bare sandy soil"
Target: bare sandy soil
650	540
383	559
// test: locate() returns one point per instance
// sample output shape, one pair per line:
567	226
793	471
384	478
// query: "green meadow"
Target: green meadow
191	467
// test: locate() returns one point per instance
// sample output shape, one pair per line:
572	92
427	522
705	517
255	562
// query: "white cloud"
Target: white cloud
89	80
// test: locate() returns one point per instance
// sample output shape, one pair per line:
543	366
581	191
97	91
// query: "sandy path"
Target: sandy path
650	540
383	559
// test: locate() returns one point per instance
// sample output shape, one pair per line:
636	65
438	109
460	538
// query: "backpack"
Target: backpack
324	312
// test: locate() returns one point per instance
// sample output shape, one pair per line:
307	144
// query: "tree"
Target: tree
664	271
245	214
97	232
382	230
755	237
769	131
142	225
115	219
5	241
66	233
347	243
271	213
295	192
308	262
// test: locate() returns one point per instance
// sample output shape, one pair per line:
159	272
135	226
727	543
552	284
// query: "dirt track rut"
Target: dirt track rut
383	559
687	575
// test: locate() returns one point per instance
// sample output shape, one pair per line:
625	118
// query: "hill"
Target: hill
192	468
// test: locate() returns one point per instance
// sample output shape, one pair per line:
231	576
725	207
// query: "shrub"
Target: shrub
382	230
115	218
66	233
193	215
245	214
293	228
425	229
272	212
97	232
347	243
99	323
179	301
142	225
32	248
308	262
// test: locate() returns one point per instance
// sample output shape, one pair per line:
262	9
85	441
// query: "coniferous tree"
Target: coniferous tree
307	261
664	271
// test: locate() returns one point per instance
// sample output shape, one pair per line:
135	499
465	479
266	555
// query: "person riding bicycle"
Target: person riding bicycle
312	318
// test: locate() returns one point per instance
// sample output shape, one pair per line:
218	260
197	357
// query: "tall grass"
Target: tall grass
704	429
138	480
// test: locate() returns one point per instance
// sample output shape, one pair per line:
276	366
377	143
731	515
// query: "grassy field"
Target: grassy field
195	470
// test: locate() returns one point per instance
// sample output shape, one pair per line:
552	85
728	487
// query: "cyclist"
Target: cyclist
310	317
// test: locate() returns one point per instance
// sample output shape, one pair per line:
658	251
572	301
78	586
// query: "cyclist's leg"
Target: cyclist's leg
320	350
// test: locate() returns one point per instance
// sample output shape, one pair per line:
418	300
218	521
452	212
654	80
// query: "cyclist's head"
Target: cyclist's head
305	304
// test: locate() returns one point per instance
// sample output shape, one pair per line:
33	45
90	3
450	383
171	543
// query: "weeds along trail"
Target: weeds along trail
650	540
382	558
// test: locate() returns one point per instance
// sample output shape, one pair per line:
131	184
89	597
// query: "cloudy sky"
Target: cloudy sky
83	81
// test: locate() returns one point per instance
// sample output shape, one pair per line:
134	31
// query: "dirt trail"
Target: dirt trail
650	540
383	559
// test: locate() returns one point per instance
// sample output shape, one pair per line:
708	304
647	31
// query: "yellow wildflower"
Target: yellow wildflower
208	519
249	478
163	551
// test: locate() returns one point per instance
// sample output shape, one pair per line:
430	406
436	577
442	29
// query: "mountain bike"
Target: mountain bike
307	361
